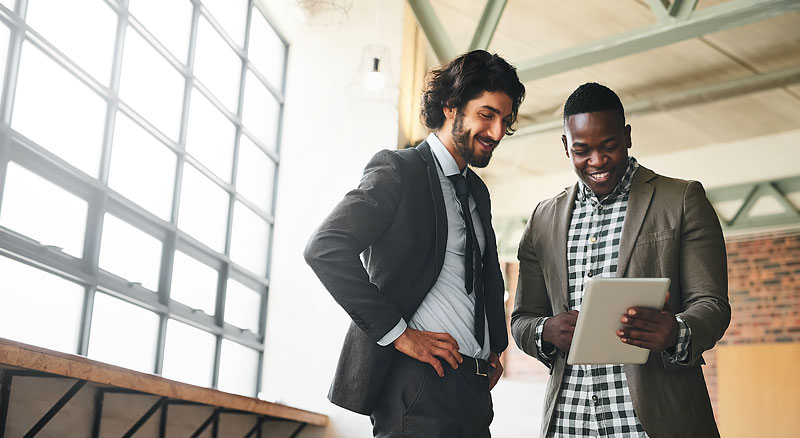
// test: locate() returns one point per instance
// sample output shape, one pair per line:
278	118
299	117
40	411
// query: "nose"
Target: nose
597	159
497	129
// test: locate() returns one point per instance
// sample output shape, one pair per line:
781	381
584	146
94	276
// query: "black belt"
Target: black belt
473	366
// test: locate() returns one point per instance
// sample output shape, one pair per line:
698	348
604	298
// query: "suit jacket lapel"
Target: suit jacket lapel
438	203
561	221
482	205
638	203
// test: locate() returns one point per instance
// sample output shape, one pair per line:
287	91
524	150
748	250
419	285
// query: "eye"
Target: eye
579	152
486	116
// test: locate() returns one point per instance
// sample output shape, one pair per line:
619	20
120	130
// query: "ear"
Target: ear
628	142
564	140
449	113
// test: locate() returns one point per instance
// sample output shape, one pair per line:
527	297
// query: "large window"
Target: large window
139	146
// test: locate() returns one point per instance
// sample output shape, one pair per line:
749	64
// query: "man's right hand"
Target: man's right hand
558	330
428	347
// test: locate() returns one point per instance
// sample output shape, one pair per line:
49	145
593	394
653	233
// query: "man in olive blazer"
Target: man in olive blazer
670	230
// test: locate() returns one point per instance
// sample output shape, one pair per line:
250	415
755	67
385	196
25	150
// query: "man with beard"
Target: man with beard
622	220
428	325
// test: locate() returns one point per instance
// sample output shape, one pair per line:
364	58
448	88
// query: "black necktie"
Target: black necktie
472	256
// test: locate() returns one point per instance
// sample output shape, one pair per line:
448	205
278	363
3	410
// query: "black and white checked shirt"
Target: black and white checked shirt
594	399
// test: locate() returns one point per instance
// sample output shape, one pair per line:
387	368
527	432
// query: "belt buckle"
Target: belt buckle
478	369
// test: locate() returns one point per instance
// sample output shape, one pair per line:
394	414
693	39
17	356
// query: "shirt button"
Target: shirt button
594	398
589	274
593	239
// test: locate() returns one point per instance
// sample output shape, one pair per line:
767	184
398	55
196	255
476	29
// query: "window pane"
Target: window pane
74	116
256	175
242	306
231	15
129	252
194	283
266	50
217	66
204	209
250	240
210	136
150	85
238	369
84	30
169	21
5	34
9	4
260	112
30	203
39	308
123	334
142	168
188	354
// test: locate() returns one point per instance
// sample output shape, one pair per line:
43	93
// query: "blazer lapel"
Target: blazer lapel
638	203
561	220
482	205
438	203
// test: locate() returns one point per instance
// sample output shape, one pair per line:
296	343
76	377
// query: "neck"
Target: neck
450	144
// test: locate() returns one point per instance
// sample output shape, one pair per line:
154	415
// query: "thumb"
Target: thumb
666	303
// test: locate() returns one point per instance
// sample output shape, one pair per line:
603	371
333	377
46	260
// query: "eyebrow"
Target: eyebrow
603	141
492	109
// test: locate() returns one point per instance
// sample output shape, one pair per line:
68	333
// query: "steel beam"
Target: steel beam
682	9
434	31
488	24
5	398
730	14
660	8
156	406
694	96
55	409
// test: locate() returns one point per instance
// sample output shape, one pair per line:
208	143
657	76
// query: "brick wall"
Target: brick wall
764	291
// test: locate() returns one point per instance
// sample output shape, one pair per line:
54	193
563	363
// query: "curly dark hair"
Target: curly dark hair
465	78
591	97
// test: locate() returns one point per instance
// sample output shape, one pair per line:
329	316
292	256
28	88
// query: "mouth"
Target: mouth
486	144
599	177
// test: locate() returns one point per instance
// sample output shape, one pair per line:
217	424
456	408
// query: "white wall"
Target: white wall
328	137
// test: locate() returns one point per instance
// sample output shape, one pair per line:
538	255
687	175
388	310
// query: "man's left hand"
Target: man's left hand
497	371
655	330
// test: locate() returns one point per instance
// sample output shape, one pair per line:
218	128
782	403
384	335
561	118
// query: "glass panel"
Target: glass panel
129	252
8	3
169	21
266	50
188	354
217	66
142	168
30	203
210	136
238	369
260	112
150	85
5	35
231	15
194	283
255	178
204	209
242	306
250	240
48	96
39	308
123	334
84	30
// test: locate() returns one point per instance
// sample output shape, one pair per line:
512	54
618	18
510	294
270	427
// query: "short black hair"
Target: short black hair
591	97
465	78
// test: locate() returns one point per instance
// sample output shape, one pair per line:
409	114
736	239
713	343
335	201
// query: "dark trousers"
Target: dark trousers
416	402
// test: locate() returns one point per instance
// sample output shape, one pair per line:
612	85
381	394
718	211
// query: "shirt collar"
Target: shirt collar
623	186
446	161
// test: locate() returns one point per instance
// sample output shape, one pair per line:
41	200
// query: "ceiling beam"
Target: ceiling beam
694	96
433	29
682	9
730	14
488	24
660	8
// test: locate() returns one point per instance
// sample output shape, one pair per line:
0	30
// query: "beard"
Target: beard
463	140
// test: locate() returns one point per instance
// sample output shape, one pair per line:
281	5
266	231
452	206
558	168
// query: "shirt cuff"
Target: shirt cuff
680	353
537	339
393	334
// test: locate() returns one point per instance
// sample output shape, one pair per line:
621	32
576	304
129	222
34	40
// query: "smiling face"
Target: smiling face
597	143
473	132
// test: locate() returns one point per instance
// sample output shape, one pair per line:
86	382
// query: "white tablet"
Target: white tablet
605	300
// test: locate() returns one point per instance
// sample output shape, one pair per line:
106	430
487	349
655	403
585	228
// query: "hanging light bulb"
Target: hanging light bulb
375	80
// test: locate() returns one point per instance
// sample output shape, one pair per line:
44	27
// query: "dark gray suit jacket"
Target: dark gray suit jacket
396	218
670	230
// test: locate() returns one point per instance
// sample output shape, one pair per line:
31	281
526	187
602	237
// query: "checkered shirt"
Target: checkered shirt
594	399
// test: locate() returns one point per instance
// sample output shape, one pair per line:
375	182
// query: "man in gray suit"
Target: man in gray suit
428	325
622	220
